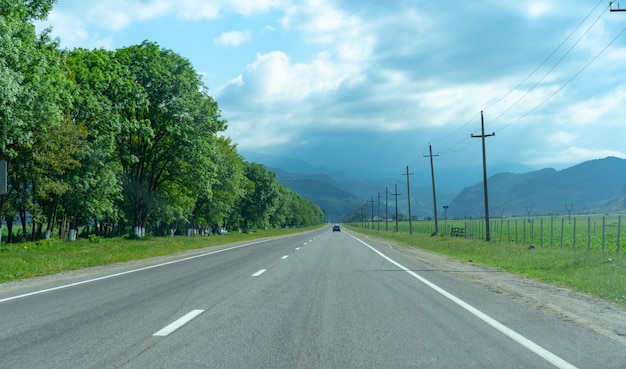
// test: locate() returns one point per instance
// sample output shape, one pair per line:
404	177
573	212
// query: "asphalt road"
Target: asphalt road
317	300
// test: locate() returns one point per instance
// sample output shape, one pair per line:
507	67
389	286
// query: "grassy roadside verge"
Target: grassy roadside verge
599	274
26	260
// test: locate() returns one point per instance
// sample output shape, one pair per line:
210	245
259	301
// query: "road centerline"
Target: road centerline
259	272
178	323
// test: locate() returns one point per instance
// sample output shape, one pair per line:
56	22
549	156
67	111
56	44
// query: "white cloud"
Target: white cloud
273	78
251	7
538	9
605	108
197	10
73	31
561	138
574	155
233	38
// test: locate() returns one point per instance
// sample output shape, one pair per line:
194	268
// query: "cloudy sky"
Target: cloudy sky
367	85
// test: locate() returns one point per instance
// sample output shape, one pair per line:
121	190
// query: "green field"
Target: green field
598	273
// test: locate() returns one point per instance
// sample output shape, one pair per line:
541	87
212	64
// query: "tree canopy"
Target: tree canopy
121	142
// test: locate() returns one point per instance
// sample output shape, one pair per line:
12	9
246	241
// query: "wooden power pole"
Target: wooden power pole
483	136
432	174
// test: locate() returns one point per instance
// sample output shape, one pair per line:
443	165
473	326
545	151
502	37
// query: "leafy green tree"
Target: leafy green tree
166	134
32	91
215	209
99	83
261	193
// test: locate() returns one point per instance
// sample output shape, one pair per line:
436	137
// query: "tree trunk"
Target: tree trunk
9	219
23	221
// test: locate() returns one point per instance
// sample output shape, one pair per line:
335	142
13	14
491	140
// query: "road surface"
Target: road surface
320	299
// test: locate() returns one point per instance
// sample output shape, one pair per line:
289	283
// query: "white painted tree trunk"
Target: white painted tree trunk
72	235
139	232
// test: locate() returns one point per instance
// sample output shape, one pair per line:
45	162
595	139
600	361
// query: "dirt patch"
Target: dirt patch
600	316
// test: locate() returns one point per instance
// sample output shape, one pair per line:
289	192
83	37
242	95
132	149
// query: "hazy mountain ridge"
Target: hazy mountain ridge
586	187
595	186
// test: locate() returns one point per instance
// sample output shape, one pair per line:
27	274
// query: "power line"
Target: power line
567	82
546	59
553	67
463	126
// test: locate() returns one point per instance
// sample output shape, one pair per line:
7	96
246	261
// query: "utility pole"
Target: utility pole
408	191
432	174
396	195
615	10
372	202
386	208
445	220
365	223
569	209
378	220
483	136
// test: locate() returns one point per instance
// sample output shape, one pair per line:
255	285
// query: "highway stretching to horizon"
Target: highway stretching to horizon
319	299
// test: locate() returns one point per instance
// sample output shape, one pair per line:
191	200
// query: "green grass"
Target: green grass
601	274
26	260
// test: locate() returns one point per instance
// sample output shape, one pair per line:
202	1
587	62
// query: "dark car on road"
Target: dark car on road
336	229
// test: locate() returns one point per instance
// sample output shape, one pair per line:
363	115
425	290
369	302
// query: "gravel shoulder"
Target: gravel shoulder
600	316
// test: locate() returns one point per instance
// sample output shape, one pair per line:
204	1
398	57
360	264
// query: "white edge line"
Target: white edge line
537	349
179	323
127	272
259	272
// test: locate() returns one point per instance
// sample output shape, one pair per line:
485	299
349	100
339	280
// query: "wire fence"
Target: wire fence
602	233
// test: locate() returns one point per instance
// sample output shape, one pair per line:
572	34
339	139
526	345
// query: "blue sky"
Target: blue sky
367	85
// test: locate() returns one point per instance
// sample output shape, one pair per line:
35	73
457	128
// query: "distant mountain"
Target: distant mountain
322	190
587	187
593	186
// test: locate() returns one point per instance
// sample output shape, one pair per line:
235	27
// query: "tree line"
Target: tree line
121	142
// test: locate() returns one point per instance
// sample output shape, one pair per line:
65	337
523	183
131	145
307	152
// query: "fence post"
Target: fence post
574	243
541	233
588	233
603	234
508	231
619	228
551	230
562	229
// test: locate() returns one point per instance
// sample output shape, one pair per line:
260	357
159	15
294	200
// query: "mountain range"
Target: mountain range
596	186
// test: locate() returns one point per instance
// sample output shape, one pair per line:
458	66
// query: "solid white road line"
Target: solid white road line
129	271
545	354
259	272
179	323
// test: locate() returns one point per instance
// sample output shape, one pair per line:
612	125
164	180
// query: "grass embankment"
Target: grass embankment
32	259
592	272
